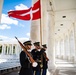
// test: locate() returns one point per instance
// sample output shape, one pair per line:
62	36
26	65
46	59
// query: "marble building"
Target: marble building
56	28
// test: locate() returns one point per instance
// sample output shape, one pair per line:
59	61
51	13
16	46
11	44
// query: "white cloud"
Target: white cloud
21	7
21	39
3	37
28	34
24	39
7	20
4	26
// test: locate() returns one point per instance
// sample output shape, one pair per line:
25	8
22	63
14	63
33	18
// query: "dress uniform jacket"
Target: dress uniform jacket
45	63
37	57
26	67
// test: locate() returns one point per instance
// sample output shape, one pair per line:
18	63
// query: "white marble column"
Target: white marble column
12	49
65	47
35	31
51	51
74	24
16	49
19	49
10	52
7	50
58	49
72	46
62	49
1	4
44	21
69	49
2	49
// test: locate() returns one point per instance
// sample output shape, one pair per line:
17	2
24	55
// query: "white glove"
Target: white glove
34	64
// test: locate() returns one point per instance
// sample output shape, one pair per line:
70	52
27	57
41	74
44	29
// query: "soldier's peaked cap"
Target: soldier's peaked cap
27	43
44	46
37	43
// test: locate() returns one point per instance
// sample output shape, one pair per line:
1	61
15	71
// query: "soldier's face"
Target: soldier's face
38	47
29	46
45	49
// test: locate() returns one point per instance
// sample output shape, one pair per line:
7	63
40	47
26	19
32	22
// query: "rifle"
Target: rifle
47	59
34	64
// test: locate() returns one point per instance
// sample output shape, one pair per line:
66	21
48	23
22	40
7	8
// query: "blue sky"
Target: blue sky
11	27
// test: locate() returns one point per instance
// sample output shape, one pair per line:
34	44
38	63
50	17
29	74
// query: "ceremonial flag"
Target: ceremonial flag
32	13
20	14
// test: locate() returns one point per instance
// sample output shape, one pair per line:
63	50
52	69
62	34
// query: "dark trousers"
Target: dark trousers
26	71
44	71
37	72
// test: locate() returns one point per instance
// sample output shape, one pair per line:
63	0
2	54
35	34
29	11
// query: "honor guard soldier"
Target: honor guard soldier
45	60
36	53
26	66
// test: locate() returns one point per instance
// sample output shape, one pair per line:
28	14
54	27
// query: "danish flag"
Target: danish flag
32	13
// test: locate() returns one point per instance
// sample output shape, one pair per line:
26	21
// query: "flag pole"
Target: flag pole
40	32
40	25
